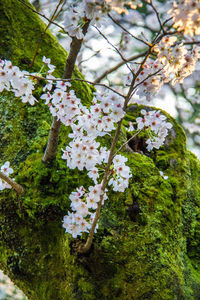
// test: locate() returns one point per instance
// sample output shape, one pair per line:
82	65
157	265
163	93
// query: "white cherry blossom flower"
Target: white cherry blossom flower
6	168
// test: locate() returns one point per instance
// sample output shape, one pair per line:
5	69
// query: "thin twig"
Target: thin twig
124	29
43	33
167	20
63	3
42	15
109	42
117	66
52	145
122	146
88	243
87	59
191	43
157	14
17	187
75	79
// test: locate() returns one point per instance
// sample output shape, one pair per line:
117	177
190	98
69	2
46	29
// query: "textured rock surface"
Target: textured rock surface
147	246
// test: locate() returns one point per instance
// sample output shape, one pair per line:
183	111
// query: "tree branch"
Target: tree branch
117	66
124	29
130	139
88	243
52	145
17	187
109	42
157	14
42	15
43	33
74	79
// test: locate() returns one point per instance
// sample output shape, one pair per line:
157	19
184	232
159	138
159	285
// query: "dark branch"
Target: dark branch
52	145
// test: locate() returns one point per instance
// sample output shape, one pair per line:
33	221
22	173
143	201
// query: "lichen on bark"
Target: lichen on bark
147	245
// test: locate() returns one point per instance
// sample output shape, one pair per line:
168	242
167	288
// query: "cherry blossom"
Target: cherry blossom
12	79
158	125
7	170
83	206
186	16
173	64
120	6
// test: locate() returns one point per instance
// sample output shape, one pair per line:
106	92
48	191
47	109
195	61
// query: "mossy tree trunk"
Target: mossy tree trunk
147	245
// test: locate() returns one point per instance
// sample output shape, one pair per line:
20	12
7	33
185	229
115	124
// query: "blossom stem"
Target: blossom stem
42	15
17	187
117	66
124	29
52	145
131	138
74	79
44	32
87	246
88	243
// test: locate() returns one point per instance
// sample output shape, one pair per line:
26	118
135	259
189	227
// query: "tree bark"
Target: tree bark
147	245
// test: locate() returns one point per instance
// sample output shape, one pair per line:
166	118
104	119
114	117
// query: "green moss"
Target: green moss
147	246
20	32
141	251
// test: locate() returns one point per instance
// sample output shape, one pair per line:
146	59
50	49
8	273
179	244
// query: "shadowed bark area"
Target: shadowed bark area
147	245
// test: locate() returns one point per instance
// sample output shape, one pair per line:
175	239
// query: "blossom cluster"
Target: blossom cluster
19	82
173	64
83	205
82	11
121	6
84	151
186	16
86	123
95	121
120	174
158	125
61	103
89	123
79	12
14	80
148	82
178	62
5	169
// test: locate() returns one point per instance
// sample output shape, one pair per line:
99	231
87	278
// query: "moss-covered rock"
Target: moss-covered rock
147	245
